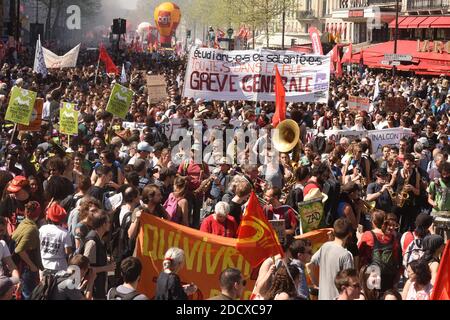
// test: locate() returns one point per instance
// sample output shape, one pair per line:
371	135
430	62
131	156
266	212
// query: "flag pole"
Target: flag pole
96	70
13	133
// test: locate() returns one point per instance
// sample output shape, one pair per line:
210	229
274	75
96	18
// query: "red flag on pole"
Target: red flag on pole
339	72
347	58
280	105
441	290
256	240
110	66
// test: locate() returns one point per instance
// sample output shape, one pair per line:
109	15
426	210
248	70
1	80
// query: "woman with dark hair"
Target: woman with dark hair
433	246
418	286
36	191
370	280
391	295
177	205
382	242
284	284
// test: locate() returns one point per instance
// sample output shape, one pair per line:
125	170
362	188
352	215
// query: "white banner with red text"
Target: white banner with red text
250	75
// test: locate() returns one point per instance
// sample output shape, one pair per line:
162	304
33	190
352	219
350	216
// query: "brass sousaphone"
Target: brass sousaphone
286	136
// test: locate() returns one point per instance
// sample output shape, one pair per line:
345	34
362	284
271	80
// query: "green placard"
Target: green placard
120	101
20	106
68	119
311	214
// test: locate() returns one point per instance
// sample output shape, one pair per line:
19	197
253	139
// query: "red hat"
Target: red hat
17	184
56	213
34	209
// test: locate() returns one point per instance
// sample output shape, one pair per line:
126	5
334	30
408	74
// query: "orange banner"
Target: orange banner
206	255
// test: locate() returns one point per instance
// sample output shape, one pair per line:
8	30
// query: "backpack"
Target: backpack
116	295
413	252
46	287
120	245
171	206
383	256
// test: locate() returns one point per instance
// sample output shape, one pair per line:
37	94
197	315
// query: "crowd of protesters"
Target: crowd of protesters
79	201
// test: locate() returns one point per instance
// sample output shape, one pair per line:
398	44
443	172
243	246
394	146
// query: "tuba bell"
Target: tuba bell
287	136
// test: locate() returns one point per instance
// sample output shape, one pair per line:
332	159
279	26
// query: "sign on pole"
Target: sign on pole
36	117
20	106
68	119
120	101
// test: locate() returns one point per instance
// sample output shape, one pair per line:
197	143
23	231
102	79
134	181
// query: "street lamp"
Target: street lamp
212	36
394	68
230	32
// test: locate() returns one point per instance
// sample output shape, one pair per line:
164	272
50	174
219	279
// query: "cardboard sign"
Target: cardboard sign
156	86
358	103
280	229
21	105
120	101
36	117
395	104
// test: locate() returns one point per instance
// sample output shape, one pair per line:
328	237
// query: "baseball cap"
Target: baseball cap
17	184
145	146
424	142
56	213
7	283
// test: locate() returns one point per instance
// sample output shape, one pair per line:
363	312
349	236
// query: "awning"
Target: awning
427	23
441	22
416	22
422	62
392	24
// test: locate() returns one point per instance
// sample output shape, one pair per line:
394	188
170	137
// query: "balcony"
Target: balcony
305	15
347	4
428	4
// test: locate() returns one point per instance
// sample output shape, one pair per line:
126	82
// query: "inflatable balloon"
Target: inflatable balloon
143	27
167	17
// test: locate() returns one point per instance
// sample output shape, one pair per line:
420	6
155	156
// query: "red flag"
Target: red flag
339	72
280	93
256	239
347	58
110	66
441	290
315	39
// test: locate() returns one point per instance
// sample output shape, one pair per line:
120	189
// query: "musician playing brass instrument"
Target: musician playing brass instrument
379	191
406	183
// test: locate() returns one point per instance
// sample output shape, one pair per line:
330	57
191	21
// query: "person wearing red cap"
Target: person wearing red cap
27	247
13	202
56	242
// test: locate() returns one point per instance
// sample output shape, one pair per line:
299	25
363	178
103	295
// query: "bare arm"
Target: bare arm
434	269
8	261
134	227
406	289
350	215
25	257
184	212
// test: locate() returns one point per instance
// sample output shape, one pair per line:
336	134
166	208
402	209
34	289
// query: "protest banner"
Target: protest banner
68	119
156	86
395	104
311	214
250	75
20	106
36	117
358	103
206	255
69	60
390	137
120	101
352	135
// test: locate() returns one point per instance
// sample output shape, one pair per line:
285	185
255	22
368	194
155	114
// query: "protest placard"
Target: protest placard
311	214
68	119
20	106
156	86
120	101
358	103
36	117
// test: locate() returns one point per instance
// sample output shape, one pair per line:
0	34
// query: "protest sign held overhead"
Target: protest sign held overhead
120	101
358	103
20	106
311	214
36	117
68	119
250	75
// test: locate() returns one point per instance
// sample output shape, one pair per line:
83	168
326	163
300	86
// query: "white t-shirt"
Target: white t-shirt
4	253
54	240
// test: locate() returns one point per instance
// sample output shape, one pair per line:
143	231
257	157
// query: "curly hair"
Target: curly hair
282	282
